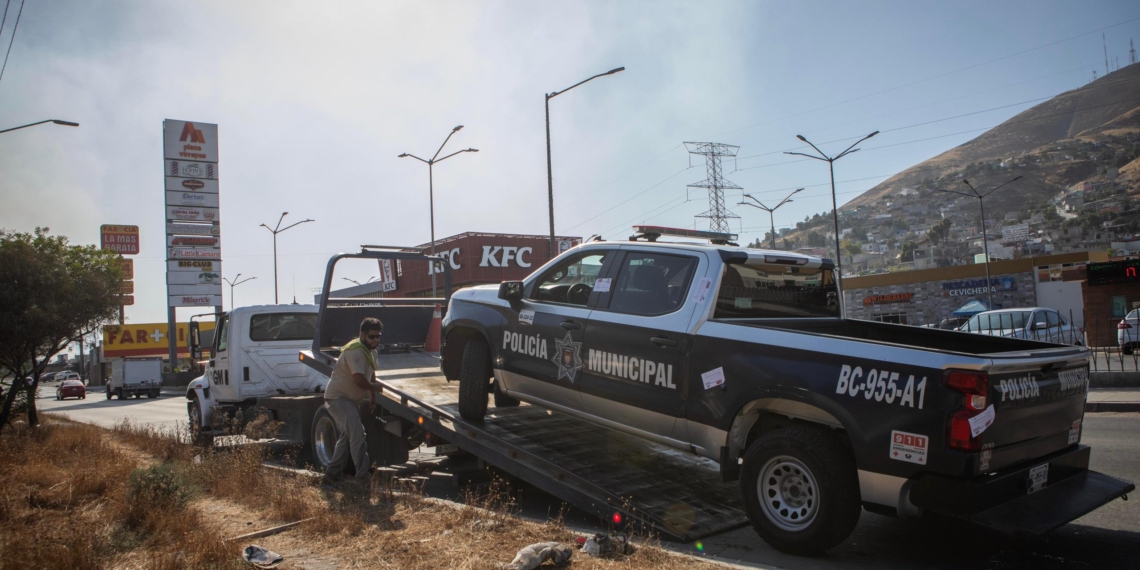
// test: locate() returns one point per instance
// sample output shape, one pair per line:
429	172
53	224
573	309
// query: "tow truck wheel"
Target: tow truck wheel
801	490
194	410
474	376
502	400
324	436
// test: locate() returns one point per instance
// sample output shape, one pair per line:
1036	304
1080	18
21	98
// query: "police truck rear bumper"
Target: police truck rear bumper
1006	502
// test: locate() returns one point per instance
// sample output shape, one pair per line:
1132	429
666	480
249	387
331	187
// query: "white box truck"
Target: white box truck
135	377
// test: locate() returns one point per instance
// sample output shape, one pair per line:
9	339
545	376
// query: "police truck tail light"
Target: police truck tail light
974	385
958	436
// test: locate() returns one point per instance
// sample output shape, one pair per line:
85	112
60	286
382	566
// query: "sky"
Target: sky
315	101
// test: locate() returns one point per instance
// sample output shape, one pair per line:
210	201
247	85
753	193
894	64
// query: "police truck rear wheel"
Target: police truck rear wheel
801	490
474	377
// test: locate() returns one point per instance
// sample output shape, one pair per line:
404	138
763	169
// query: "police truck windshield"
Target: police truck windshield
770	291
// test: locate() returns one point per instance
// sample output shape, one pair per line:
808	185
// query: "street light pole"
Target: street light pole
431	192
233	305
771	217
276	230
56	121
830	160
549	171
985	242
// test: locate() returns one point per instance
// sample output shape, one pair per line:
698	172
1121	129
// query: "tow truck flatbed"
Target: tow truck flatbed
598	470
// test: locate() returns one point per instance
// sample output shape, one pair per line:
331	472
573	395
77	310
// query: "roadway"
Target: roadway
1104	539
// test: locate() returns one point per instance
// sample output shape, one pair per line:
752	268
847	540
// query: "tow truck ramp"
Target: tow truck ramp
611	474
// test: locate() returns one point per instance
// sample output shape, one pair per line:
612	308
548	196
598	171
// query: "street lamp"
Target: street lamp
233	305
830	160
549	175
359	283
771	218
275	231
56	121
985	242
431	190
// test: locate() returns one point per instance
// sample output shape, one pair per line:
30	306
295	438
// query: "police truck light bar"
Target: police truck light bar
651	233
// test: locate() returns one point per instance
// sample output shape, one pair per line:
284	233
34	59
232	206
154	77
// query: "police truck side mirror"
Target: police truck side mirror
511	291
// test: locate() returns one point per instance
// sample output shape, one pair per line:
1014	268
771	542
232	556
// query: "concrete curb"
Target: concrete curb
1114	379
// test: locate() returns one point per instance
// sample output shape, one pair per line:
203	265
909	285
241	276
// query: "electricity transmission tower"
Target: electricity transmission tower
717	214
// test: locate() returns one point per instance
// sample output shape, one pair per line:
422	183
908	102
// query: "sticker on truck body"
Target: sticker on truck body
909	447
1075	432
526	317
1038	477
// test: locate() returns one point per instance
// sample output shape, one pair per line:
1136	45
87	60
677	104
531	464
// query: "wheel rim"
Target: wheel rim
195	418
324	440
788	492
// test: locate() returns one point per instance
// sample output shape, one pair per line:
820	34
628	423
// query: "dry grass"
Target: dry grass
69	502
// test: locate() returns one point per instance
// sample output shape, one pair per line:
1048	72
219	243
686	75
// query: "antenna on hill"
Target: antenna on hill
1131	52
1104	43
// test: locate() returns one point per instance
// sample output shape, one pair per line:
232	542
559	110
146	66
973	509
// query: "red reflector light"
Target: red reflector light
1123	325
958	436
617	518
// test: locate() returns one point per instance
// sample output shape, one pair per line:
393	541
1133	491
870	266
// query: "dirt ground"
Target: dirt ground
79	496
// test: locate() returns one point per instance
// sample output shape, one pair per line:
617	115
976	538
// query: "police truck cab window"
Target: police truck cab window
652	283
571	281
770	291
282	326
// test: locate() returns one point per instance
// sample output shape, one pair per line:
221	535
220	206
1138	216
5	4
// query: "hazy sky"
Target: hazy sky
314	101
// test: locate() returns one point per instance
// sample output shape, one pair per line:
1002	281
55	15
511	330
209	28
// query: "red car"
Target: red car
71	389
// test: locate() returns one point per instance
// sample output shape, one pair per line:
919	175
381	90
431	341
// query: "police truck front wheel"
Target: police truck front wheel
474	378
801	489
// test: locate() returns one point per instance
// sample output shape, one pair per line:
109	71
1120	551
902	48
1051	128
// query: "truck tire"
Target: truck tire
323	438
194	411
474	375
801	489
501	399
119	393
108	392
152	394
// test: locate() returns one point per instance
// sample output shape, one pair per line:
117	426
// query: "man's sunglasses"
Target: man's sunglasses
374	336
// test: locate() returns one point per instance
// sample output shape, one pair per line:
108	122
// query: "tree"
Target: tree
907	253
814	239
940	231
852	248
49	292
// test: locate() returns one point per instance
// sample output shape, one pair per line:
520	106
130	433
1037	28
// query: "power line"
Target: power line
959	70
11	40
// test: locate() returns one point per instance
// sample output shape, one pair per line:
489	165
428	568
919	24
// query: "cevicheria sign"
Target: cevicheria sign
1109	272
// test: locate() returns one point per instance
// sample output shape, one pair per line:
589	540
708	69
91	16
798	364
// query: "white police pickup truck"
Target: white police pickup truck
742	356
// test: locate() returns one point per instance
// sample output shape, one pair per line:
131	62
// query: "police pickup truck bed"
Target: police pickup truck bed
742	357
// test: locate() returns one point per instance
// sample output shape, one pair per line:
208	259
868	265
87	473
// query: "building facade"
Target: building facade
926	296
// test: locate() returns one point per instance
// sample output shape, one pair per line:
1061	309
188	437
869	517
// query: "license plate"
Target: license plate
1038	476
445	448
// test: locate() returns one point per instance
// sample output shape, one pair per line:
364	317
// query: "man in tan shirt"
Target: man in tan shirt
353	379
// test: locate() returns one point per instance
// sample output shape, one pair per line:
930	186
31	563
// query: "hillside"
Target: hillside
1078	154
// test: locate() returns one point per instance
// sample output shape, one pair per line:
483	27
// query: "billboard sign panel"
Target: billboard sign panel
128	267
187	213
187	140
193	241
194	278
191	185
123	240
126	300
202	289
126	287
191	199
193	229
192	253
146	339
185	169
196	300
192	265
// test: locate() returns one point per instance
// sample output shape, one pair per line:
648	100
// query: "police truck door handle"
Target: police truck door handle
571	325
663	342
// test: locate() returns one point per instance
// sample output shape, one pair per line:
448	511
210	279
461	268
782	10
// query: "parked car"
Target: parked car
1128	332
71	389
951	323
1031	323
